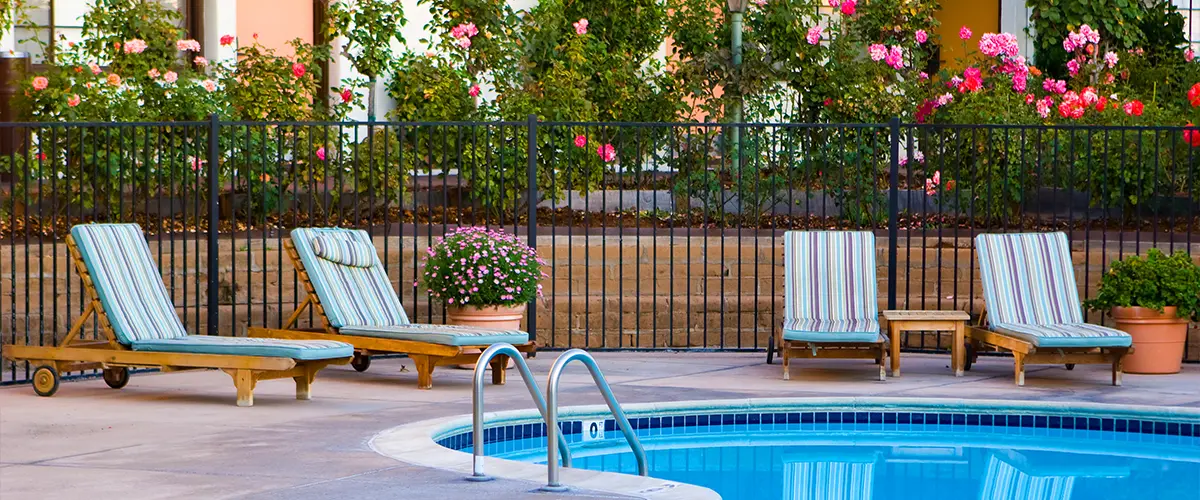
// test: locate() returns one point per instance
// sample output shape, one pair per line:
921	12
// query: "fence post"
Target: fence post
532	200
893	213
214	221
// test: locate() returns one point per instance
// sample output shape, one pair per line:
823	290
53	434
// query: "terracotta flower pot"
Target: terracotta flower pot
1158	339
501	317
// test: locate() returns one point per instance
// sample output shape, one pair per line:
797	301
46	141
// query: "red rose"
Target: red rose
347	95
226	39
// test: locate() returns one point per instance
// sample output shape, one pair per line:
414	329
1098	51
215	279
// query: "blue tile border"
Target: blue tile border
517	437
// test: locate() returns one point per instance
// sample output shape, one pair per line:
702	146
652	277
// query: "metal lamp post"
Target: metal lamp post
736	9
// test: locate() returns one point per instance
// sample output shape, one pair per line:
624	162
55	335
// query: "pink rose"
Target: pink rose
73	100
1111	59
298	70
114	79
226	39
964	33
170	77
922	36
153	73
210	85
607	152
474	91
1073	67
877	51
135	46
895	58
464	42
40	83
580	141
814	35
1189	55
321	153
200	61
848	7
185	45
581	26
94	67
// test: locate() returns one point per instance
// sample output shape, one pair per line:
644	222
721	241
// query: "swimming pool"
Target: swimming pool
862	449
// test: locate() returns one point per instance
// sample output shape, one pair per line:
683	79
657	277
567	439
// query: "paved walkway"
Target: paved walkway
179	435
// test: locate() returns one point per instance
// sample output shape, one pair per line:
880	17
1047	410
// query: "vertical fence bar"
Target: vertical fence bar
214	186
893	212
531	201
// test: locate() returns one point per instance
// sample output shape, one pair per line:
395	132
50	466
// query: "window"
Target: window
52	19
1190	9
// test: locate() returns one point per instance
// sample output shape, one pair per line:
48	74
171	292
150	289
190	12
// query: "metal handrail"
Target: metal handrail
477	405
552	431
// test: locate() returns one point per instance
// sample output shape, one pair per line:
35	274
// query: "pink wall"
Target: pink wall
275	21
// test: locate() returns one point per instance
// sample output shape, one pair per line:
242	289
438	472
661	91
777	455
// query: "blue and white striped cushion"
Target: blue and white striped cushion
830	282
345	252
1028	279
441	334
350	295
1066	335
816	479
130	287
1003	480
249	346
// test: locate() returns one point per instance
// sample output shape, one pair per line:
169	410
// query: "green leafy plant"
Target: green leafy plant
1154	281
369	27
481	267
1119	23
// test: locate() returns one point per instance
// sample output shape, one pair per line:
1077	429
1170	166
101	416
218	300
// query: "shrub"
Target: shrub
1154	281
481	267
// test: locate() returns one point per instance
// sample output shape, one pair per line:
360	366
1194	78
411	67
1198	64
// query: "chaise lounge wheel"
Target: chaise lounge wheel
45	381
116	377
1070	366
969	356
361	362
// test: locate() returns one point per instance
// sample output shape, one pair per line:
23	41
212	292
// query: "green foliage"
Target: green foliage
265	86
481	267
1163	27
1154	281
369	28
1118	21
429	89
109	24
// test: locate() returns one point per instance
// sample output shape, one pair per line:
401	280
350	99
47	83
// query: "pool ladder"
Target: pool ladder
556	443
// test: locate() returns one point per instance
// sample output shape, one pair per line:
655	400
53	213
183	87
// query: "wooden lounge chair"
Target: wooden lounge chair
830	303
1012	475
349	290
829	476
141	328
1033	307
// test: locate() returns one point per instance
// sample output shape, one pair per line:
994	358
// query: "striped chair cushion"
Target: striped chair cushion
830	285
350	295
1028	279
1072	335
345	252
128	282
1003	480
441	334
816	479
817	330
249	346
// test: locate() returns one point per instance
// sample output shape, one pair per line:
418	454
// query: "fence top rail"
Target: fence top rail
505	123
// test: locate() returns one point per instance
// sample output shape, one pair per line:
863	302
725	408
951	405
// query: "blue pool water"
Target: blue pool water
889	456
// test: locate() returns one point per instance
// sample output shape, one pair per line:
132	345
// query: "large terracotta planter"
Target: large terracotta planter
1158	339
501	317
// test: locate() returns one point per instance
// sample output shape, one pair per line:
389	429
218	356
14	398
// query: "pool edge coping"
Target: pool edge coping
416	443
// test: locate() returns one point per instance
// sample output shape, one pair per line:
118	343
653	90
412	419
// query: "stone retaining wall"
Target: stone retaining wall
604	291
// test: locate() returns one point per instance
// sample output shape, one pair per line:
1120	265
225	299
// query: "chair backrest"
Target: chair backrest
1028	279
128	283
1004	481
351	295
830	275
822	477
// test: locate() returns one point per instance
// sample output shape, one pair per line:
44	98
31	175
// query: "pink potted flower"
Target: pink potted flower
484	276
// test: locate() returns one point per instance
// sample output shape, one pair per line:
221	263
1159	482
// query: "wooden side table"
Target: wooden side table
928	321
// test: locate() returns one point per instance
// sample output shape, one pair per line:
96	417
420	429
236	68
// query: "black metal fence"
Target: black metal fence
659	236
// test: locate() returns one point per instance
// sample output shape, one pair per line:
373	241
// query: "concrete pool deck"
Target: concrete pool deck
180	435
